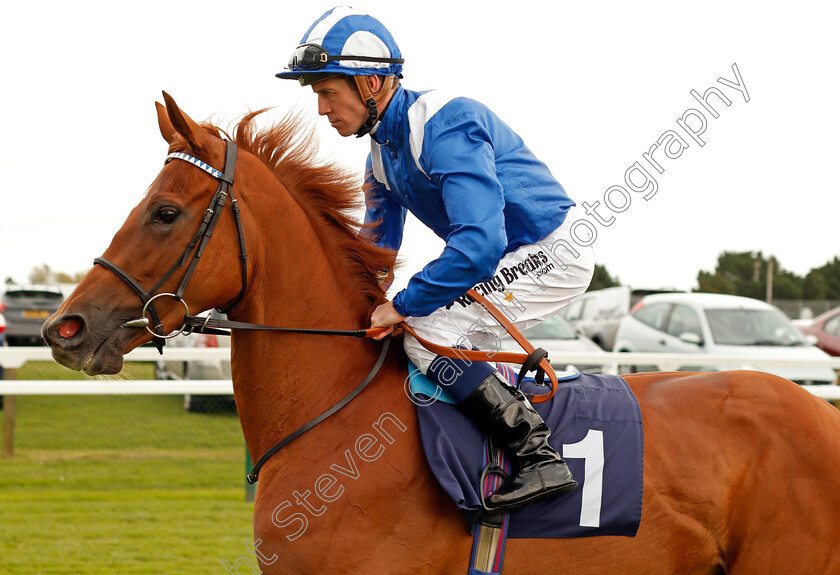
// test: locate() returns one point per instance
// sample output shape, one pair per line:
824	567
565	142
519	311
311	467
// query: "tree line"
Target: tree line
43	274
746	274
736	273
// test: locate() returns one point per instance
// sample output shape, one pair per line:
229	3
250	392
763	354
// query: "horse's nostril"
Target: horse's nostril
69	327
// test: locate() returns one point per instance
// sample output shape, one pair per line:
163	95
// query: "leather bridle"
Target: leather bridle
193	251
190	258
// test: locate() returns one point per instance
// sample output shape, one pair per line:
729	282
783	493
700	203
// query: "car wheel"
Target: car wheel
161	372
170	370
597	340
197	403
627	368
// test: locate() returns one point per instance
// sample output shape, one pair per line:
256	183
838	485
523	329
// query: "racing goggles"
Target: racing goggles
310	57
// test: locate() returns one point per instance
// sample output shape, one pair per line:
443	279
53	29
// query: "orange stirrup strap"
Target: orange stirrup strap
500	356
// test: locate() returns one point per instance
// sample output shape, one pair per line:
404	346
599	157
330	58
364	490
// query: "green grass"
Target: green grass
119	422
120	484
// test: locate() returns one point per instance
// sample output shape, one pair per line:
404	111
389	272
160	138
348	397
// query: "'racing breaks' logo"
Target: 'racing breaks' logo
536	264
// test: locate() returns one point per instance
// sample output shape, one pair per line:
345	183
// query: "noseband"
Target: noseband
193	251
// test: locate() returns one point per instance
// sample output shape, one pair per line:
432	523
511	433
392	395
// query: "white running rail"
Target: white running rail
16	357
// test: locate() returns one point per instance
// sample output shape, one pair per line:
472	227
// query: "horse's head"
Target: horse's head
148	256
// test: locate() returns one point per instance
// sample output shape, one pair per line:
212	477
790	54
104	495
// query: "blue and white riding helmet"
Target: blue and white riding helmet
347	42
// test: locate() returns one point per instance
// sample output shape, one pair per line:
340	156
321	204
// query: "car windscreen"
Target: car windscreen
751	327
34	294
552	328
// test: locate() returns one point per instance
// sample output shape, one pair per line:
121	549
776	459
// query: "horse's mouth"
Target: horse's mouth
95	351
107	359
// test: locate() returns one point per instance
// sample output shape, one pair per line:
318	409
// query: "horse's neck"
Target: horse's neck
281	381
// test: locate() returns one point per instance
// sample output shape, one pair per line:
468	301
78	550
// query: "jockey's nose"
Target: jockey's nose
323	106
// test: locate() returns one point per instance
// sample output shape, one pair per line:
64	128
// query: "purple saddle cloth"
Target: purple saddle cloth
596	426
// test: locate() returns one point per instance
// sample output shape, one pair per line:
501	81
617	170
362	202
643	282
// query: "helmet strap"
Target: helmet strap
373	101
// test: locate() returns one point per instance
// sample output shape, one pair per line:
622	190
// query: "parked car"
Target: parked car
25	308
826	329
199	369
596	314
557	337
721	325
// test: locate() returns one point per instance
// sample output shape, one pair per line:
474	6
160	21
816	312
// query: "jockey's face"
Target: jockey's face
339	100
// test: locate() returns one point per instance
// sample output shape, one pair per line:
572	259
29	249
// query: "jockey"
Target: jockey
461	171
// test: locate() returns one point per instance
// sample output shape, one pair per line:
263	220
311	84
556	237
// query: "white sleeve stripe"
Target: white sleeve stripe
376	163
419	113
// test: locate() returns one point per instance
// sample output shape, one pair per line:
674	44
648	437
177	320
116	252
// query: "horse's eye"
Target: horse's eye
166	215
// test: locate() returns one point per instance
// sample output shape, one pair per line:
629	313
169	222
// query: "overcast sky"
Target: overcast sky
591	87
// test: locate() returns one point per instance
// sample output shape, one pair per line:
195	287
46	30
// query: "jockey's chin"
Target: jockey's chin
345	129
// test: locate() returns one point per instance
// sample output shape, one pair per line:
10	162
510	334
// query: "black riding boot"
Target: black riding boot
510	420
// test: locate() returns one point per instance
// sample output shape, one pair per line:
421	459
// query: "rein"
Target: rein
255	471
535	359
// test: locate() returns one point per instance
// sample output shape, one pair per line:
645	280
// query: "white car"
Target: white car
596	314
558	338
724	325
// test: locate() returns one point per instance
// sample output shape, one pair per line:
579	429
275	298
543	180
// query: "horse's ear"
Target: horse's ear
181	124
166	128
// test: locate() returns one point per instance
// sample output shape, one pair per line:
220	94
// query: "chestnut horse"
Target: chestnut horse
741	469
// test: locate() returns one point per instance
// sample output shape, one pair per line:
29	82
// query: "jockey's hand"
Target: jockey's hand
385	316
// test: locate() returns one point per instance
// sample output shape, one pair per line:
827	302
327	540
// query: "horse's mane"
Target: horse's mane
326	191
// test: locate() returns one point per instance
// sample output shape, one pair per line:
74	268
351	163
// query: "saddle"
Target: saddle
597	428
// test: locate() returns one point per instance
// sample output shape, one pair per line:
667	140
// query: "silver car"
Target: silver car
557	337
25	308
596	314
719	324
